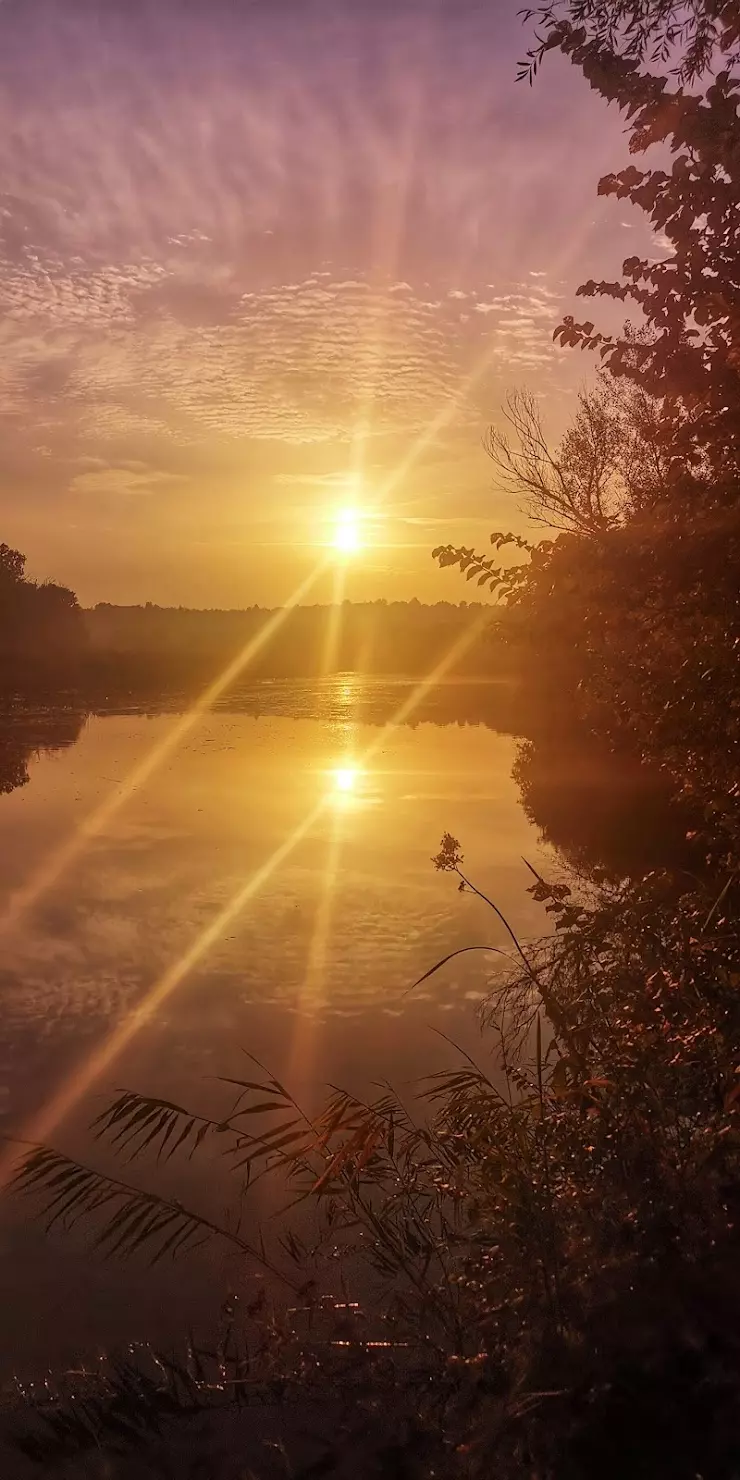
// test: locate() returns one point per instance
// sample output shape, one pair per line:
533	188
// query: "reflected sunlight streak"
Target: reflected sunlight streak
312	993
438	423
391	225
301	1048
60	859
63	1102
58	1108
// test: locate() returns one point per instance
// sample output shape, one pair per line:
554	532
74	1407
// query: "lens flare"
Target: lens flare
347	536
60	859
346	778
71	1091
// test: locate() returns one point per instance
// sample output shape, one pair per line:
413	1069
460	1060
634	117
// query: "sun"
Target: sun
346	778
346	782
347	536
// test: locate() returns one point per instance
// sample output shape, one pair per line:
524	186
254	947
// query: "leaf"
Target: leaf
131	1219
494	950
245	1084
261	1108
136	1122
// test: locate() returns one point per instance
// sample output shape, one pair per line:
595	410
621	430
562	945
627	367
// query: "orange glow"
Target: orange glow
53	867
63	1102
346	776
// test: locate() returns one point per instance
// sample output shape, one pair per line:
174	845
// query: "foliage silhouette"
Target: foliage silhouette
688	33
688	298
42	634
609	465
626	626
584	1185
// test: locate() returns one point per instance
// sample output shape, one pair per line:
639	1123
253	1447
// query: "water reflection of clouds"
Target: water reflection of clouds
95	962
124	912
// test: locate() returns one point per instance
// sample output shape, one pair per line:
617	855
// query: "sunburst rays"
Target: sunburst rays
51	870
59	1106
57	862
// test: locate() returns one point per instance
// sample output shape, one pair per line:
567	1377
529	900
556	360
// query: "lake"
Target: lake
177	892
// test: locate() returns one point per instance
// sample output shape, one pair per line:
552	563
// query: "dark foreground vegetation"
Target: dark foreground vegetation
545	1254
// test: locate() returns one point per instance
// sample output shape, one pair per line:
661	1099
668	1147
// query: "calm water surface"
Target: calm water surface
311	824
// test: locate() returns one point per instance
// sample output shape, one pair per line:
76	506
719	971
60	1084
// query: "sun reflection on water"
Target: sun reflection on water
349	783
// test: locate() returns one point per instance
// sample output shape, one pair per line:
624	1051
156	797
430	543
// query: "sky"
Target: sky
265	260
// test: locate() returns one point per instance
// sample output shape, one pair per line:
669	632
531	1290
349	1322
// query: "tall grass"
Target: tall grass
511	1267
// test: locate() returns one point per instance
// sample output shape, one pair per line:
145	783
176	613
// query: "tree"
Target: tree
12	565
42	632
641	626
610	463
689	33
689	298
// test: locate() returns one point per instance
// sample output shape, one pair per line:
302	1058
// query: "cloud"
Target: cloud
664	245
330	481
104	360
126	480
297	364
129	352
64	295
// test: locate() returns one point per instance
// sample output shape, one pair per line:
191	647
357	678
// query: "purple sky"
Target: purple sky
265	258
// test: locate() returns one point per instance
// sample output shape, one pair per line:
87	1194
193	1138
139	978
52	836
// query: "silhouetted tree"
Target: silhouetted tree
42	631
690	296
610	464
638	630
12	565
687	33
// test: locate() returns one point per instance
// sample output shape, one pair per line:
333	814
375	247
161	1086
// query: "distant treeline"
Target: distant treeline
49	644
166	647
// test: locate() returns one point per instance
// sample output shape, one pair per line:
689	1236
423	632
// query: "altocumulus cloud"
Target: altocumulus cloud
235	240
